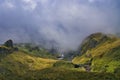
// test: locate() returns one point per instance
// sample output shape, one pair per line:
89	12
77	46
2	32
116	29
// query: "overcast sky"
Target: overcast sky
62	22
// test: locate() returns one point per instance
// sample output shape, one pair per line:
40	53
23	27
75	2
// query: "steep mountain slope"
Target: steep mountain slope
101	52
94	40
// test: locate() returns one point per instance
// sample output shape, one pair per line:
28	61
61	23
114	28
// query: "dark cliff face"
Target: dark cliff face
92	41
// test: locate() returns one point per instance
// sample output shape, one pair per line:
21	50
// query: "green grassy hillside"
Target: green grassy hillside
21	66
100	54
20	63
104	56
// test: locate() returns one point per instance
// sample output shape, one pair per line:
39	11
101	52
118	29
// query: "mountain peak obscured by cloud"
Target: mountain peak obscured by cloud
62	22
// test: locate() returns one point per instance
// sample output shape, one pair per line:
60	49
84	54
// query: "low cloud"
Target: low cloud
61	23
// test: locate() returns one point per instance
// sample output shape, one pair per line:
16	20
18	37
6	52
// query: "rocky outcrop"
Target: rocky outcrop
7	48
9	44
